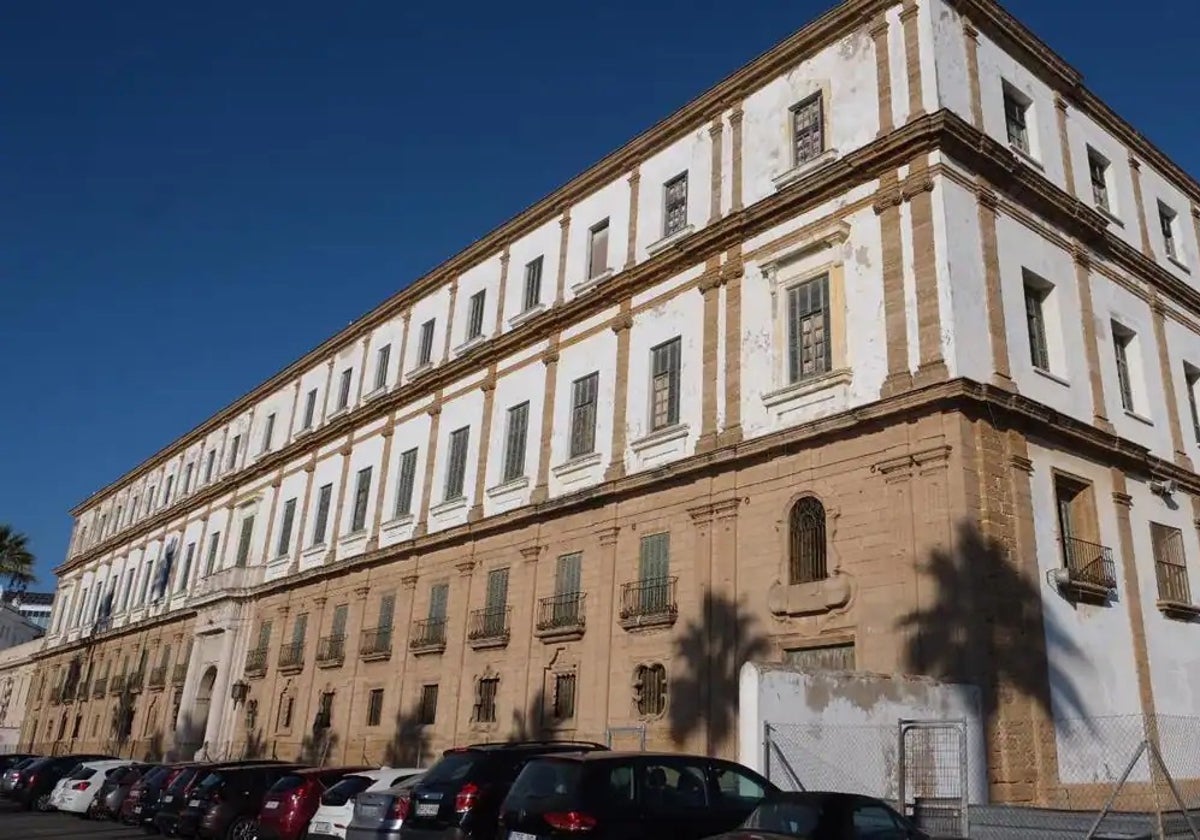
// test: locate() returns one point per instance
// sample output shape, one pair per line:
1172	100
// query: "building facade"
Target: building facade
34	607
16	676
881	355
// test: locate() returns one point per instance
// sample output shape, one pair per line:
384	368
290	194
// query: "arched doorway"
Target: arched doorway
193	724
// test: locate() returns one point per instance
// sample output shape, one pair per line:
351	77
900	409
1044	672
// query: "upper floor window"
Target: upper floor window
1167	222
809	349
244	541
210	464
597	250
362	499
475	315
407	482
1191	377
1123	345
1098	173
310	409
1016	118
583	414
806	541
516	436
187	477
324	497
425	344
166	492
485	700
382	357
664	385
285	529
675	195
533	285
233	451
808	130
268	432
1035	322
344	388
1170	564
456	465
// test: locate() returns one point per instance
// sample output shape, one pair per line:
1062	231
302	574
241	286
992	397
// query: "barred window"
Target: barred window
809	349
456	465
486	690
1170	564
533	284
407	482
564	696
584	392
374	707
808	130
806	554
425	344
515	441
362	500
664	384
675	194
475	314
650	690
427	709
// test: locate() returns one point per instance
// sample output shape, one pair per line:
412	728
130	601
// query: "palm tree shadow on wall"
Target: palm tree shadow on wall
154	748
318	748
986	625
409	746
256	745
531	723
703	699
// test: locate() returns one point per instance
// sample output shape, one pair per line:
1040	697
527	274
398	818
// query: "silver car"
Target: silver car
378	815
10	775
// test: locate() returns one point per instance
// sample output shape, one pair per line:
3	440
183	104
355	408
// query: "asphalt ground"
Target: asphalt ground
16	824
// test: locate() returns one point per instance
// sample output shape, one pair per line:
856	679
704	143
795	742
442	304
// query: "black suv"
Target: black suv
459	797
630	796
225	805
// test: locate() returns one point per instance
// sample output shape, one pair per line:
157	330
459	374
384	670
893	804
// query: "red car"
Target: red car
292	801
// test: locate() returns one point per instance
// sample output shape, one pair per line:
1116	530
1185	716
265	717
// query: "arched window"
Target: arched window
650	690
806	542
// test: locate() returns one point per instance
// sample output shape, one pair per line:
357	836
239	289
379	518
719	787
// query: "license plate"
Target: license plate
521	835
170	797
195	803
427	809
137	809
270	806
321	828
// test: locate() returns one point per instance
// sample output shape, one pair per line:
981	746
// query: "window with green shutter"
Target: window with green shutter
439	595
654	569
387	610
567	587
338	629
243	550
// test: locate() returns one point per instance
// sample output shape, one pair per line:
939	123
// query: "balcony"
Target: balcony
229	581
1088	573
489	628
256	662
100	687
291	658
1174	593
560	618
68	693
428	636
648	604
376	644
136	680
179	674
118	684
56	695
331	651
158	678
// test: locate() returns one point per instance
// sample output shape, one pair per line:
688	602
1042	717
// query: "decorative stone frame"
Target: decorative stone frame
818	596
561	664
635	691
488	673
795	170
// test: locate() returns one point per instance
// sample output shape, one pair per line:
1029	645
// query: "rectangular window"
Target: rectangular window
1098	173
233	451
387	610
166	492
285	530
243	549
475	314
1170	564
338	628
456	465
299	629
485	700
1035	322
362	493
286	705
808	130
150	497
496	597
382	357
374	707
324	495
310	409
407	482
1166	222
439	599
214	543
210	464
654	558
597	250
664	385
268	433
675	193
1016	110
567	574
427	710
515	439
584	392
264	635
1191	377
564	696
425	344
117	519
344	388
533	285
1122	338
809	349
185	574
187	477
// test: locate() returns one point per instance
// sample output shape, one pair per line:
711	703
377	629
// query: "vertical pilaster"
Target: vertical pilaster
362	369
918	191
336	532
541	490
450	319
1135	172
301	534
997	328
716	136
385	468
1060	109
895	319
435	416
971	42
502	293
710	289
912	58
328	393
1159	310
275	487
731	275
1083	278
564	239
288	438
485	438
621	326
735	162
635	183
403	354
883	72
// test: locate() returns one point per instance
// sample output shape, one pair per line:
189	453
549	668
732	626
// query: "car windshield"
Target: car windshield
210	783
156	776
546	785
340	793
452	768
181	781
80	773
797	819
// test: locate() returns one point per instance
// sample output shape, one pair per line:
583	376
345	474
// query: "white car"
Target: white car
337	803
75	793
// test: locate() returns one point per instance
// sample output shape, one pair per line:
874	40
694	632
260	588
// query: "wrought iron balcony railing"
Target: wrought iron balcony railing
489	627
428	635
561	616
99	687
179	674
1089	564
256	662
136	680
118	684
158	677
648	603
376	643
331	651
291	657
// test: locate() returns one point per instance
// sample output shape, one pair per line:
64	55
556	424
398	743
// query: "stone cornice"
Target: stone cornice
847	17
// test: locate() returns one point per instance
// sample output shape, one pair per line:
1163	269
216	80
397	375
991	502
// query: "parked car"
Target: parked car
812	815
225	805
10	774
11	760
142	800
35	782
294	798
630	796
175	796
114	790
460	795
337	808
77	791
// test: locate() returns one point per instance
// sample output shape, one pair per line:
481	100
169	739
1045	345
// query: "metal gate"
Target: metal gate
933	775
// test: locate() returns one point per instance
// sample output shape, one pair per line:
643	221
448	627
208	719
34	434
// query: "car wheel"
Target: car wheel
42	803
243	828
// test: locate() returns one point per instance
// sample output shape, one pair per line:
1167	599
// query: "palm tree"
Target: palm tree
16	560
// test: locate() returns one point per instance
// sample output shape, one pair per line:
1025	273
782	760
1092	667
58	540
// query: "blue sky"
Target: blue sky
196	194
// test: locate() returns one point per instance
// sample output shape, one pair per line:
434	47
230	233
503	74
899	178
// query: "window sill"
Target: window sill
667	434
449	506
469	345
576	465
280	559
788	393
1053	377
509	487
818	596
1027	157
1175	261
314	551
352	538
669	240
528	315
339	412
1141	418
1109	215
419	371
305	432
1178	610
801	169
394	528
592	282
374	393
